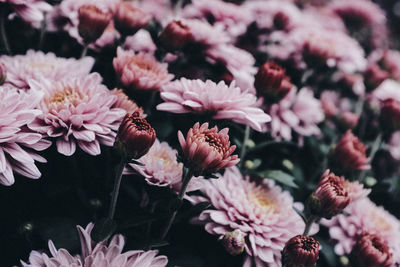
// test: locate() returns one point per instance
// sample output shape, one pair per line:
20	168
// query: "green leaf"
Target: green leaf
136	162
103	229
280	177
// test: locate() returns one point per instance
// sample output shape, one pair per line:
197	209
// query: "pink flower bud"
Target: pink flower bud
129	19
300	251
371	251
135	136
390	114
175	35
92	22
234	242
3	73
350	153
207	150
272	82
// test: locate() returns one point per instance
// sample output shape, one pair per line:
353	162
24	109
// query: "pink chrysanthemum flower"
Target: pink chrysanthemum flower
31	11
205	34
77	112
161	168
140	42
364	216
299	112
222	101
95	255
17	142
140	71
37	65
262	211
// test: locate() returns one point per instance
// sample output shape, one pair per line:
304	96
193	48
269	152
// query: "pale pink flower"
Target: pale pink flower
77	112
299	112
238	62
394	145
140	42
160	10
31	11
37	65
207	150
205	34
387	90
107	39
140	71
95	255
365	216
161	168
222	101
261	210
17	142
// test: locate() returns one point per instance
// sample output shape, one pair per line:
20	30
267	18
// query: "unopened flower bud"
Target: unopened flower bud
390	114
128	19
3	73
371	251
268	80
92	22
234	242
300	251
330	197
350	153
175	35
135	136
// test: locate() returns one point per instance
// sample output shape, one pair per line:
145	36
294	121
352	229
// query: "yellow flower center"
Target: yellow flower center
260	198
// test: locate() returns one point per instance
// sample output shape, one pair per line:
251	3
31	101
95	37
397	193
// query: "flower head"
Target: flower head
135	136
36	65
259	209
92	22
207	150
364	216
17	142
129	19
140	42
301	251
234	242
175	35
31	11
350	153
77	112
94	255
220	100
140	71
370	250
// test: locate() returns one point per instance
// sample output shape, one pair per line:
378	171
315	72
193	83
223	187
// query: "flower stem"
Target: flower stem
42	33
84	50
185	183
3	31
375	147
115	192
309	223
244	145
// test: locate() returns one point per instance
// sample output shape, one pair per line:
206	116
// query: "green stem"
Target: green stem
244	145
375	147
84	50
185	183
3	31
42	33
115	192
309	223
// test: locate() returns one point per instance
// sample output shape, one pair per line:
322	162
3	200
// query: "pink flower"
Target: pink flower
222	101
37	65
17	142
140	42
126	104
128	19
92	22
31	11
176	35
140	71
301	251
161	168
386	90
95	255
364	216
299	112
261	210
207	150
77	112
205	34
332	104
394	145
350	153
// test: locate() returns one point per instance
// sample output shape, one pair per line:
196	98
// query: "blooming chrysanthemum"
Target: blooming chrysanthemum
140	42
126	104
161	168
262	211
77	112
96	255
364	216
220	100
17	142
37	65
299	112
140	71
30	10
